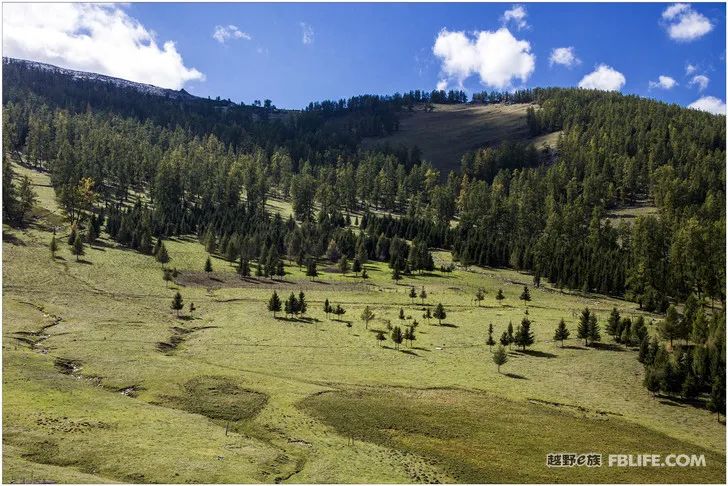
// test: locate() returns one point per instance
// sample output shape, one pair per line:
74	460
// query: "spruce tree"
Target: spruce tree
479	296
561	333
423	295
500	357
311	269
490	342
524	336
208	265
177	303
397	336
504	339
439	313
356	266
412	294
344	265
500	296
525	295
582	330
381	337
327	308
162	256
302	304
78	246
274	304
366	316
613	323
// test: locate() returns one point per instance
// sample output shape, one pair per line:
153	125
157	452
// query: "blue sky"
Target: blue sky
260	50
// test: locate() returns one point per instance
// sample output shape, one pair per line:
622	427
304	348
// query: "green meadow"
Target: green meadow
102	382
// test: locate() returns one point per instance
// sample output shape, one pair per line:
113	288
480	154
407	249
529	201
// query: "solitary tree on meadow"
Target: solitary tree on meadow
412	294
311	269
302	304
401	314
561	332
162	256
525	295
500	357
208	265
177	303
356	266
499	296
166	276
327	308
78	246
381	337
479	296
439	313
274	304
366	316
344	265
423	295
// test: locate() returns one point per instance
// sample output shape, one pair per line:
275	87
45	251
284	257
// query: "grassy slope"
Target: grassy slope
115	311
469	127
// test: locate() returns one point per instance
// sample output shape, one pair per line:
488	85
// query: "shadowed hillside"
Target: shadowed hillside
446	133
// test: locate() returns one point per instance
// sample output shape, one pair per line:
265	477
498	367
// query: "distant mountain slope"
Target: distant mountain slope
446	133
87	76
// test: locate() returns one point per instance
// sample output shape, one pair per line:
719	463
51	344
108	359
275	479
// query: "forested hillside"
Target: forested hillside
212	169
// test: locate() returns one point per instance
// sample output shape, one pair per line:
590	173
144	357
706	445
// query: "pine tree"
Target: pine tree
423	295
302	304
525	295
613	323
669	328
344	265
162	256
582	330
504	339
396	275
524	336
177	303
439	313
274	304
561	333
412	294
500	357
594	334
397	336
244	267
53	246
381	337
490	342
511	337
401	314
311	269
166	276
366	316
327	308
78	246
644	349
479	296
364	274
499	296
356	266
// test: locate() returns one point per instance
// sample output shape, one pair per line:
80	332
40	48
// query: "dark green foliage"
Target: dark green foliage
177	303
208	265
561	333
439	313
500	357
274	304
524	336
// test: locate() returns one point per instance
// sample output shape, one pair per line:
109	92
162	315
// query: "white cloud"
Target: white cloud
564	56
517	15
223	33
604	78
701	81
663	82
441	85
99	38
497	57
307	33
690	69
685	24
711	104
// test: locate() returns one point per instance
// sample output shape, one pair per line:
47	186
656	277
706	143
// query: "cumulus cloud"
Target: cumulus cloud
604	78
663	82
711	104
701	81
684	24
100	38
307	33
564	56
690	69
516	15
496	57
223	33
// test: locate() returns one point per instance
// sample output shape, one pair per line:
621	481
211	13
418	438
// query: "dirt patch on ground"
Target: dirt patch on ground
218	398
178	336
214	280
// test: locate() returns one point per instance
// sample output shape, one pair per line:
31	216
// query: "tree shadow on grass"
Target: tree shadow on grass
447	324
410	352
84	262
515	376
681	402
536	354
420	348
569	346
608	347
